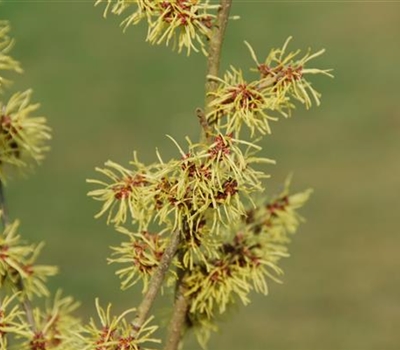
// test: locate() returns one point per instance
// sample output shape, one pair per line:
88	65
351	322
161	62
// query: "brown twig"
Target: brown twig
178	320
214	51
203	122
214	59
177	323
3	208
26	303
155	283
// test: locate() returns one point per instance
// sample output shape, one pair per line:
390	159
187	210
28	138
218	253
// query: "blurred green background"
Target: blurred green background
106	93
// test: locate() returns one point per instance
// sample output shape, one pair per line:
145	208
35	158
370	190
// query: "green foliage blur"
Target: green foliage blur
106	93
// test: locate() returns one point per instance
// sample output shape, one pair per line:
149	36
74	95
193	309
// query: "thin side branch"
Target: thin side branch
203	121
155	283
214	51
26	303
3	208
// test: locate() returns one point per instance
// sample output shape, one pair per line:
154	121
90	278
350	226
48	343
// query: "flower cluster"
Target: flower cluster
18	268
282	79
184	22
54	328
10	319
6	61
116	333
230	244
142	253
241	102
130	191
22	140
210	184
22	136
246	260
196	194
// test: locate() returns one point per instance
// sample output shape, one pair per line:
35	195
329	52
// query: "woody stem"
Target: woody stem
214	57
182	303
155	283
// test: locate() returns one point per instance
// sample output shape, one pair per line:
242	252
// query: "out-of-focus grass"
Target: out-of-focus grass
106	93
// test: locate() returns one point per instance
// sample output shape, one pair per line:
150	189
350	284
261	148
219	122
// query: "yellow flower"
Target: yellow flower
55	327
238	102
6	61
187	23
285	74
141	256
281	80
22	136
115	332
18	263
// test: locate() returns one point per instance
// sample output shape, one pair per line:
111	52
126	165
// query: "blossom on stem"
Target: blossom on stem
11	319
55	327
238	102
282	80
184	22
245	262
210	178
18	264
115	332
142	253
274	222
207	191
22	136
285	73
129	191
6	61
196	194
